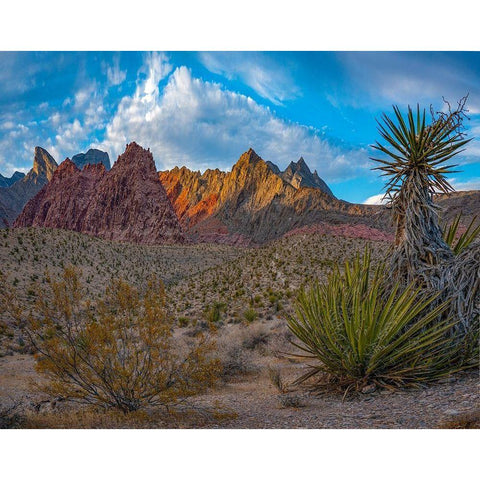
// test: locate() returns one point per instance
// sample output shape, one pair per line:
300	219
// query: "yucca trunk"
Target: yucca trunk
419	243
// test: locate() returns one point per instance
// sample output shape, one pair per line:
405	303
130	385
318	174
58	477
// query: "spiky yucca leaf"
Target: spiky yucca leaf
458	243
417	148
358	333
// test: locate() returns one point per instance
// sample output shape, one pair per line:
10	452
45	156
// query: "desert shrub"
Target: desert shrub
119	353
287	398
183	321
213	313
235	361
254	336
250	315
361	332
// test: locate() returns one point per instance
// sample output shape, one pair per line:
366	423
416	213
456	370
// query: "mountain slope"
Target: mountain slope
127	203
14	197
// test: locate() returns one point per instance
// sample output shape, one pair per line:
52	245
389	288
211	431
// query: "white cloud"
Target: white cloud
82	96
471	184
259	72
376	200
201	124
407	78
116	76
8	125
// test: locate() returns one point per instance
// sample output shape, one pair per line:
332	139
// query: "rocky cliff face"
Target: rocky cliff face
92	157
6	182
256	202
14	197
127	203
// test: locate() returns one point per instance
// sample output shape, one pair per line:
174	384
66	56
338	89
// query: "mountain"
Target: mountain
126	203
465	203
256	202
5	182
14	197
299	175
92	157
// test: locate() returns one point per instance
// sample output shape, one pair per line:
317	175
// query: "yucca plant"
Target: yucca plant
360	332
459	242
416	156
416	165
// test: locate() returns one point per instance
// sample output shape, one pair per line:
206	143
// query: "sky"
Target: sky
204	109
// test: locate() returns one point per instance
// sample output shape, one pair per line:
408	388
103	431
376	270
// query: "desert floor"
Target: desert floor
251	401
254	290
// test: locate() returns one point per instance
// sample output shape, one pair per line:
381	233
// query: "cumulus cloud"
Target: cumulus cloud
257	71
201	124
379	199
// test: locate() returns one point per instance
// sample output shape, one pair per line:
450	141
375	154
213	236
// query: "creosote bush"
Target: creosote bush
361	332
119	353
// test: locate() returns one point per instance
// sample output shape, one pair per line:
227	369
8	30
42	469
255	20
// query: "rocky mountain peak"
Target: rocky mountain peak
43	164
298	174
92	157
250	157
15	196
136	159
65	169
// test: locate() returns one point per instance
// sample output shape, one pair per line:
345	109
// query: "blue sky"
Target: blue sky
203	110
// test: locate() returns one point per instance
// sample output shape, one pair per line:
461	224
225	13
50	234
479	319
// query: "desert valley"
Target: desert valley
233	250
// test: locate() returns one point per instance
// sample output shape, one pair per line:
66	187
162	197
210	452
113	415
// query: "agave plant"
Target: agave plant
416	164
359	332
459	242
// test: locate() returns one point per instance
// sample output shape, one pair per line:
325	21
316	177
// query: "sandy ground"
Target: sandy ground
257	404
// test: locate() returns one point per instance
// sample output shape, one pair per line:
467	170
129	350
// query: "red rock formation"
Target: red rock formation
127	203
255	202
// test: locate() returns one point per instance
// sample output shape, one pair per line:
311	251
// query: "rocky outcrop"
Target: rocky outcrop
14	197
257	202
6	182
299	175
127	203
92	157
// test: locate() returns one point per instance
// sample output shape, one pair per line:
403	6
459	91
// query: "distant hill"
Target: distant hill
6	182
